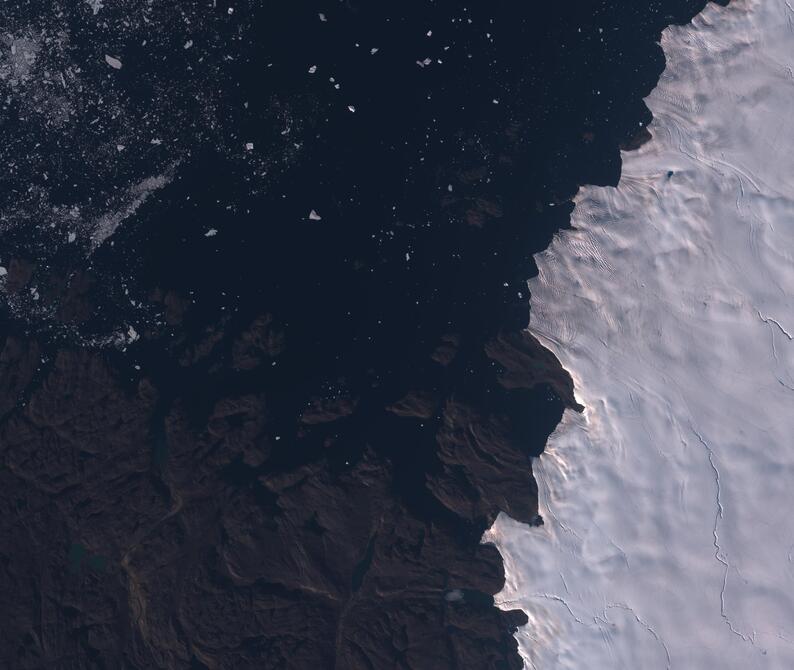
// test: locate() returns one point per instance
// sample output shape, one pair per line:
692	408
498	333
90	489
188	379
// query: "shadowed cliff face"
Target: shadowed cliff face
263	380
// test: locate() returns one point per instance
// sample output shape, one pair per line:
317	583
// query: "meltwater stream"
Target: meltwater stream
669	534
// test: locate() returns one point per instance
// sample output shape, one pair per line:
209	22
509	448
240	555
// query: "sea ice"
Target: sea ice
115	63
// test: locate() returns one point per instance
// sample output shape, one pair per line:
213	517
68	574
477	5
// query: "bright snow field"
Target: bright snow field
669	505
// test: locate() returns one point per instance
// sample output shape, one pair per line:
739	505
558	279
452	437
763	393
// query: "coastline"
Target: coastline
294	386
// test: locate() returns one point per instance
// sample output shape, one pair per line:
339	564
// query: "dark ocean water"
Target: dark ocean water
366	292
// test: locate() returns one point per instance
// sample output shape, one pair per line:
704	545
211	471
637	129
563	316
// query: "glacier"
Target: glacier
668	539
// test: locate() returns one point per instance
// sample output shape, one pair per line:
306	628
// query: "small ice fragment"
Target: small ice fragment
212	232
115	63
230	11
407	256
249	146
3	271
373	50
449	188
322	17
120	147
456	595
351	108
72	237
95	5
430	33
495	101
314	216
156	140
425	62
188	44
312	69
132	334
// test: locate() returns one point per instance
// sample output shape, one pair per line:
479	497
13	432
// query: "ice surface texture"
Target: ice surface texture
669	535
